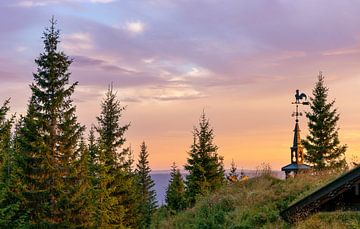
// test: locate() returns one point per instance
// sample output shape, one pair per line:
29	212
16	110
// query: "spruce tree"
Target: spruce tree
322	144
233	175
111	132
49	141
175	193
92	165
93	151
92	159
11	213
115	185
204	165
82	201
146	188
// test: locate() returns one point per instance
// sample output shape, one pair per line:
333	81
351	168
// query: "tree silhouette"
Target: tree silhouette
322	144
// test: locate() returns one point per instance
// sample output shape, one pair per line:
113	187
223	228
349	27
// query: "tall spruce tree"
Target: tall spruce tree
49	141
204	165
175	193
146	188
322	144
115	186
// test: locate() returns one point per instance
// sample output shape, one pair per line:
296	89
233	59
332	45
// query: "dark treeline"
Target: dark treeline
53	175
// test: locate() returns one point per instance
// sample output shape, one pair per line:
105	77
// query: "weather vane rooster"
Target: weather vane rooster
300	98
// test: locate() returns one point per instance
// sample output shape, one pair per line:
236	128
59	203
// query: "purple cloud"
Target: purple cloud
86	61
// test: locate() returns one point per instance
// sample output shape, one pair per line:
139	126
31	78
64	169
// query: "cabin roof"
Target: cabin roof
312	202
295	166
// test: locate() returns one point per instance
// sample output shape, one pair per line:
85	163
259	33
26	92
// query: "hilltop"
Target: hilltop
257	203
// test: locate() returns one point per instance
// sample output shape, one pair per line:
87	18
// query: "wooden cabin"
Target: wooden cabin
340	194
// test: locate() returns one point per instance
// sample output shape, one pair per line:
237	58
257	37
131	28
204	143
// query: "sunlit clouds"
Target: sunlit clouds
135	27
77	42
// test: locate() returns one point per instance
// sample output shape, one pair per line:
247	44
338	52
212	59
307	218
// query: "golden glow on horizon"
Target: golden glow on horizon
250	131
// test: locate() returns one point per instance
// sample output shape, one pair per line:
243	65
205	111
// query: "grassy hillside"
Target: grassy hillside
256	203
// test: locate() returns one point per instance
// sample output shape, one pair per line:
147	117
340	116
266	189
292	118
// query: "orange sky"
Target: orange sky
250	127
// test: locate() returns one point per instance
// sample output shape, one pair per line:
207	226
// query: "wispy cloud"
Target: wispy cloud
77	42
30	3
178	93
160	93
39	3
102	63
135	27
21	48
101	1
342	51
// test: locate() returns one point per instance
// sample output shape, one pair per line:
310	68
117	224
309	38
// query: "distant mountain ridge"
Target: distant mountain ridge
162	177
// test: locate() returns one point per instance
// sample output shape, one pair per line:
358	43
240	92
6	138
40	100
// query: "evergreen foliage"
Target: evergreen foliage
233	175
107	212
92	157
11	214
205	166
5	132
90	163
322	144
93	150
111	132
49	142
175	193
115	186
147	197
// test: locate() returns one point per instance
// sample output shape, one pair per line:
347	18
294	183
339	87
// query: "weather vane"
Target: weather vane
300	98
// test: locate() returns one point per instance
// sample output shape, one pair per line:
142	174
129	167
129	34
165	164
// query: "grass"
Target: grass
332	220
256	203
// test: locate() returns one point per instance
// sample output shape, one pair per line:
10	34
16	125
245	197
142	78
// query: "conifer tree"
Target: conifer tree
175	193
91	162
92	159
93	150
82	202
322	144
112	139
115	187
11	214
233	175
146	188
49	140
205	166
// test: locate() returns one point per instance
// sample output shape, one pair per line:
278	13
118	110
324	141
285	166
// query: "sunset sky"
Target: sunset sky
241	61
